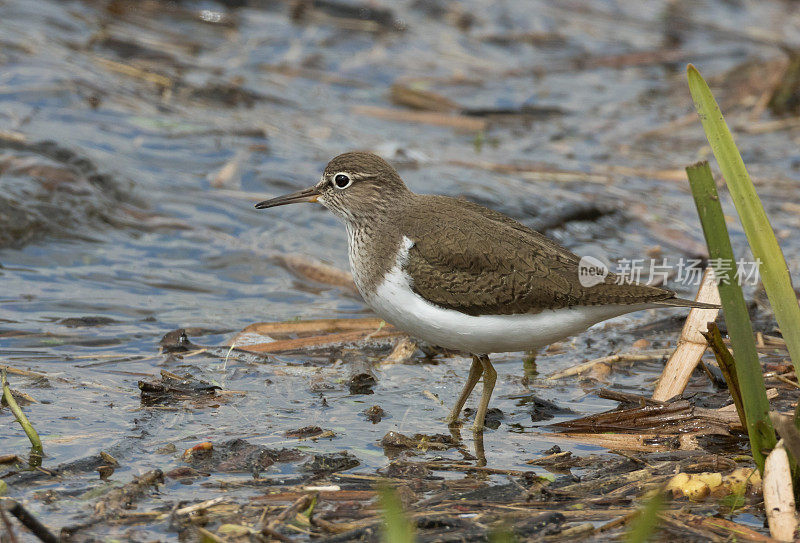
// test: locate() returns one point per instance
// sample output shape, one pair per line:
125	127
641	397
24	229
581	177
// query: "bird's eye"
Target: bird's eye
342	181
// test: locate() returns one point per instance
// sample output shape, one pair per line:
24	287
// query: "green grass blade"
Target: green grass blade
397	527
644	525
740	329
763	243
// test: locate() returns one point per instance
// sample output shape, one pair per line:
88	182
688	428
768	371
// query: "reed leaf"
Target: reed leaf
740	329
763	243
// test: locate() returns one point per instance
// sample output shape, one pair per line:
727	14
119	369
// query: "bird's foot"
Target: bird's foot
454	418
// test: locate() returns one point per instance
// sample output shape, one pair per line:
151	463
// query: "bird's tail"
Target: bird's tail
680	302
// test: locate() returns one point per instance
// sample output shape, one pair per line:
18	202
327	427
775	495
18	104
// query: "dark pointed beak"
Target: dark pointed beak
306	195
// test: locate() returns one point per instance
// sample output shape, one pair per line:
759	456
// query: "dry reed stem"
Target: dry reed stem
731	530
420	99
535	172
323	495
316	271
10	135
778	494
316	342
626	442
672	174
458	122
133	71
783	379
301	503
25	373
318	326
611	359
691	344
199	506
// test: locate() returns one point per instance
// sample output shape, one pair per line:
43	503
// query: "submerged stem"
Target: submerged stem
36	443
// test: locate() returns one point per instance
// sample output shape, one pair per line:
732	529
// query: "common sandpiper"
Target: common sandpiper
460	275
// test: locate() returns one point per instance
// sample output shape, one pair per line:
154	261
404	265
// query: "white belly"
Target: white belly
398	304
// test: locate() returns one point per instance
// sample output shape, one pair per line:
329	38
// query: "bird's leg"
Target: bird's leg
489	379
480	453
475	372
455	433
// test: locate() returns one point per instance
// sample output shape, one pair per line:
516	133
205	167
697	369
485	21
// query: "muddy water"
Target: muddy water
134	139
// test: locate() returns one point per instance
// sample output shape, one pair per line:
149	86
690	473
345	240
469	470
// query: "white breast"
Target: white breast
398	304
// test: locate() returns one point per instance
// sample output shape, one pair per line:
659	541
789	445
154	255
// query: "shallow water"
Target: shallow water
129	216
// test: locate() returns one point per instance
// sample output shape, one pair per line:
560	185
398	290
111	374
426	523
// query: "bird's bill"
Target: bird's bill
306	195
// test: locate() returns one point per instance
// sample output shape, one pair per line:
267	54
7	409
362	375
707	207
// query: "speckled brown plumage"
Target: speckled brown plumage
481	262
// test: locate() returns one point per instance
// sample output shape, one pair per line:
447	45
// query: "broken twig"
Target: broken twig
28	520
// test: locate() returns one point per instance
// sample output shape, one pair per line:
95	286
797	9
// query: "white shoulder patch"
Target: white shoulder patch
406	246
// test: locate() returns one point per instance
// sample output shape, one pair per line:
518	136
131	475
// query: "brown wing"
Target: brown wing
478	261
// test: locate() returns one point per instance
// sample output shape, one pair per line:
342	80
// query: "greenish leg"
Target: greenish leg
475	372
489	379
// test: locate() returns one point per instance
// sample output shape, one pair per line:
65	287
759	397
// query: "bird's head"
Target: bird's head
355	186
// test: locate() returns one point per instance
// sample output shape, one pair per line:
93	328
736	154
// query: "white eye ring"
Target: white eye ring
341	180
